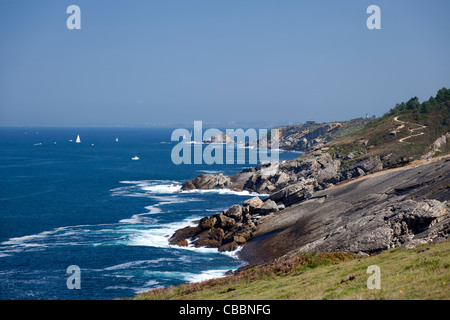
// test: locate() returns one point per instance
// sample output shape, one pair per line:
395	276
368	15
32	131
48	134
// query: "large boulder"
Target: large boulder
181	236
207	223
371	164
207	181
211	238
293	193
224	222
235	212
268	207
253	203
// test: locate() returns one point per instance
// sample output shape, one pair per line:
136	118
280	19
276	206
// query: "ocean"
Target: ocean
90	205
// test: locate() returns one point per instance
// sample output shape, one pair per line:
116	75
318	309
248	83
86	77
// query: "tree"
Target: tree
413	104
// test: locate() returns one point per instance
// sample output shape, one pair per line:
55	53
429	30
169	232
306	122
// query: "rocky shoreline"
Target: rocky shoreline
313	206
318	169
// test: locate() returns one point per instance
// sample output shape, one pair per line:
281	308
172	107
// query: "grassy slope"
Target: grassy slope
430	125
422	123
419	273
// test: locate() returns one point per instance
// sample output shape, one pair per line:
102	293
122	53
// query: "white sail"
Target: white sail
78	139
117	139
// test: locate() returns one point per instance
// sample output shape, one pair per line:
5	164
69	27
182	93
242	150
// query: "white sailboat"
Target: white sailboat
117	139
78	139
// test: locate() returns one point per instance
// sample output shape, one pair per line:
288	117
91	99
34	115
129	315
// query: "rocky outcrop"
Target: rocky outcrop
306	138
287	183
361	168
233	227
399	224
293	193
365	215
228	229
440	142
319	170
399	207
207	181
219	138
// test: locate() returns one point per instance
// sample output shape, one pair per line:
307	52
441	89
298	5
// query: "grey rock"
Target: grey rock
253	203
292	194
366	215
207	181
351	155
268	207
235	212
372	164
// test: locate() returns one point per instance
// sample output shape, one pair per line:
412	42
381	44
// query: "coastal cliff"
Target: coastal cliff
362	189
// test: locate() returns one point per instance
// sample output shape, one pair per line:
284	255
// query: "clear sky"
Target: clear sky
167	61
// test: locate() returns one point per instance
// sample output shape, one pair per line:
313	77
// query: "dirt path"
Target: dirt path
402	125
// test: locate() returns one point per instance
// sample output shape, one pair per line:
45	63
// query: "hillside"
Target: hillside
419	273
307	137
408	131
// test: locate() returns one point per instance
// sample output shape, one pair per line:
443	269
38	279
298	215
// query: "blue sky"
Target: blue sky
153	62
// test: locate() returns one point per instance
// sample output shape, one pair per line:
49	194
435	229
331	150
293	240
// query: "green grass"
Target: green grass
419	273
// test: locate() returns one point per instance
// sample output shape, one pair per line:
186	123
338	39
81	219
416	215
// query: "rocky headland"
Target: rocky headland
328	210
357	188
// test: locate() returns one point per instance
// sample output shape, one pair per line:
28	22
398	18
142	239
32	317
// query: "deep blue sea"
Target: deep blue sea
89	204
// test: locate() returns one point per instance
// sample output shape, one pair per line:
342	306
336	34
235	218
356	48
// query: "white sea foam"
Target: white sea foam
162	188
233	254
152	187
205	275
62	236
146	188
149	285
223	192
139	264
209	171
158	236
189	276
35	240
